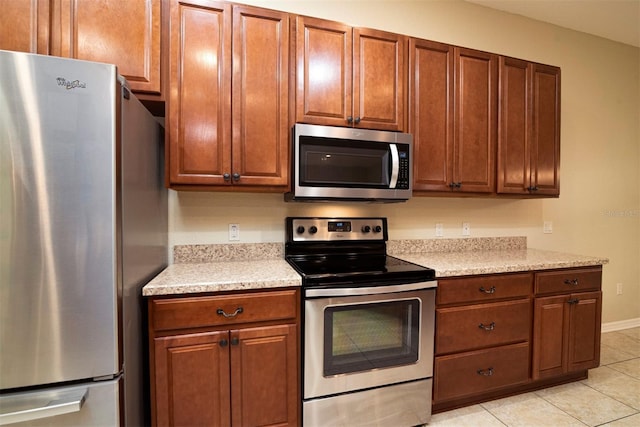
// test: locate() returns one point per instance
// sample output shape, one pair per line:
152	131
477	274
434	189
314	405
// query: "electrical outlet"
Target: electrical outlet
547	227
439	230
618	288
234	232
466	229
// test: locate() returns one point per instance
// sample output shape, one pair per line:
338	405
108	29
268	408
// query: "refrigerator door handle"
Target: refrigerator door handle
35	405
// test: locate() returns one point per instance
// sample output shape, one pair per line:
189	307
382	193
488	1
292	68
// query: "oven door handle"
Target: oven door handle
369	290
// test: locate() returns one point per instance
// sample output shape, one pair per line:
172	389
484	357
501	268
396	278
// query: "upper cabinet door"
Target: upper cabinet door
125	33
529	133
200	97
379	79
476	95
349	77
24	25
514	132
323	72
431	114
260	135
545	160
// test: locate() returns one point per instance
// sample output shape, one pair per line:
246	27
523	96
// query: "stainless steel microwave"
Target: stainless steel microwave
335	163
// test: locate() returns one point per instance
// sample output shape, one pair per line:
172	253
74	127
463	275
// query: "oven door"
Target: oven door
360	338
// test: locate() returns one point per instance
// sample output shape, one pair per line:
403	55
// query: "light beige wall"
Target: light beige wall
598	212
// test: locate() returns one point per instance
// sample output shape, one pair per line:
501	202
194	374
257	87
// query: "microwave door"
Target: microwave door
395	165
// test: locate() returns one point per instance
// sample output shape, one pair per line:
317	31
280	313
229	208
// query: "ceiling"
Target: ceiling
617	20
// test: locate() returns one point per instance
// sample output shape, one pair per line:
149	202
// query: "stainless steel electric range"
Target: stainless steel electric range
368	325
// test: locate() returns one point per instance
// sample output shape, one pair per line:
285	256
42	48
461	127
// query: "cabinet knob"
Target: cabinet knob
357	120
490	327
491	290
453	185
349	119
532	188
573	301
485	372
221	312
223	343
235	341
226	176
236	176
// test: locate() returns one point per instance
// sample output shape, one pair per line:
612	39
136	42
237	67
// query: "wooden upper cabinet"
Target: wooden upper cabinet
24	26
127	34
545	159
453	117
349	76
431	114
260	133
529	132
475	130
200	98
218	135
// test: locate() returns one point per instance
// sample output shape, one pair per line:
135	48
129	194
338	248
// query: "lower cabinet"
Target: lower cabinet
502	334
566	330
232	361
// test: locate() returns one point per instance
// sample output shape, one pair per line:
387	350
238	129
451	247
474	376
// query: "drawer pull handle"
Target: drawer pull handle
573	282
490	327
491	290
221	312
485	372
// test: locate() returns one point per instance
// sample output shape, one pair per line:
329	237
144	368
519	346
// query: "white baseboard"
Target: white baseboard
623	324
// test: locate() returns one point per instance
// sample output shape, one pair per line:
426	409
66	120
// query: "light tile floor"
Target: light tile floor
609	397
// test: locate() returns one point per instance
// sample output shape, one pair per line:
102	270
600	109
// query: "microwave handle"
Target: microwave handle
395	165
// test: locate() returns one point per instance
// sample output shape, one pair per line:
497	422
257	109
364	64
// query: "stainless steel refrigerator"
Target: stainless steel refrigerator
83	226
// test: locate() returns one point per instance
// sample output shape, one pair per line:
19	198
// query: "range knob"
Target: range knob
377	229
366	228
313	229
300	229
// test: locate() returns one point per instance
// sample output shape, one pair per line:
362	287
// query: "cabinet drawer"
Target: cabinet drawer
483	325
480	371
194	312
568	281
483	288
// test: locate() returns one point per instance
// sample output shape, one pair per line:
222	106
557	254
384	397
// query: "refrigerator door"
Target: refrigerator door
90	404
58	221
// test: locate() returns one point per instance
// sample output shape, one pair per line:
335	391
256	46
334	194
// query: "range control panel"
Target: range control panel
334	229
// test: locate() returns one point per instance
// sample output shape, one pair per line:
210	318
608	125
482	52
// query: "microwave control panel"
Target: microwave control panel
403	170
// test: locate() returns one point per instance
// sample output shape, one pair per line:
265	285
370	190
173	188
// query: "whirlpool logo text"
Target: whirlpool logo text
71	84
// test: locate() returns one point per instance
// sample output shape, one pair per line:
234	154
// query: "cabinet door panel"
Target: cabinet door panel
514	144
264	376
200	100
379	79
127	34
476	121
323	72
260	96
191	376
549	336
546	130
431	113
24	26
584	331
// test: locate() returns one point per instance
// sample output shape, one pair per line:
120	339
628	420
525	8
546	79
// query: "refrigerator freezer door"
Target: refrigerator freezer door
92	404
58	221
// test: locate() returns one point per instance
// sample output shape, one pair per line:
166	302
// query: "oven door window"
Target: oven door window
368	336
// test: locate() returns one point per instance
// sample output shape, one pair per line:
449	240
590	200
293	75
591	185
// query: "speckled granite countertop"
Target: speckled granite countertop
216	268
449	264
